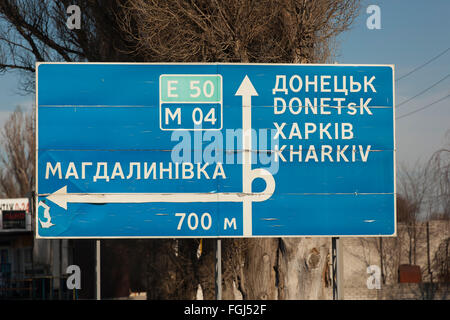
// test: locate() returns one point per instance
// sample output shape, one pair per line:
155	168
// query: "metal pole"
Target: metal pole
60	270
97	269
334	266
219	269
338	268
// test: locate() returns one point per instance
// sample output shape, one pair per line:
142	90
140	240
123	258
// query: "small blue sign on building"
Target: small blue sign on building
134	150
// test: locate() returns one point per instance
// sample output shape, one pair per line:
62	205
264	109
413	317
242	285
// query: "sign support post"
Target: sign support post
218	273
338	268
98	269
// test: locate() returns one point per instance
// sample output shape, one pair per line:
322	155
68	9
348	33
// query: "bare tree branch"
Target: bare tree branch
17	160
35	30
236	31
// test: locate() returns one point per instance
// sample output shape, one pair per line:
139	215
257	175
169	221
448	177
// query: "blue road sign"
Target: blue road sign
214	150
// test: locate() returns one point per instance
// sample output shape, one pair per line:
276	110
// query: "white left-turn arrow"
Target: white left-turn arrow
61	197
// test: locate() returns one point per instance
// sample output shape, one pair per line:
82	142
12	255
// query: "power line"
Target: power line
423	91
423	108
423	65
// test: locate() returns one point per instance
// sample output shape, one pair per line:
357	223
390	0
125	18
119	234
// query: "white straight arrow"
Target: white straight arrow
246	90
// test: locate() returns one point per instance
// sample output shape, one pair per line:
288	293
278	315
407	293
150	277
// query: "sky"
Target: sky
11	96
412	32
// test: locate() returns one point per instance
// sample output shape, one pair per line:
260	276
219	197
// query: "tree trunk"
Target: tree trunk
171	272
205	268
301	265
284	268
260	268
